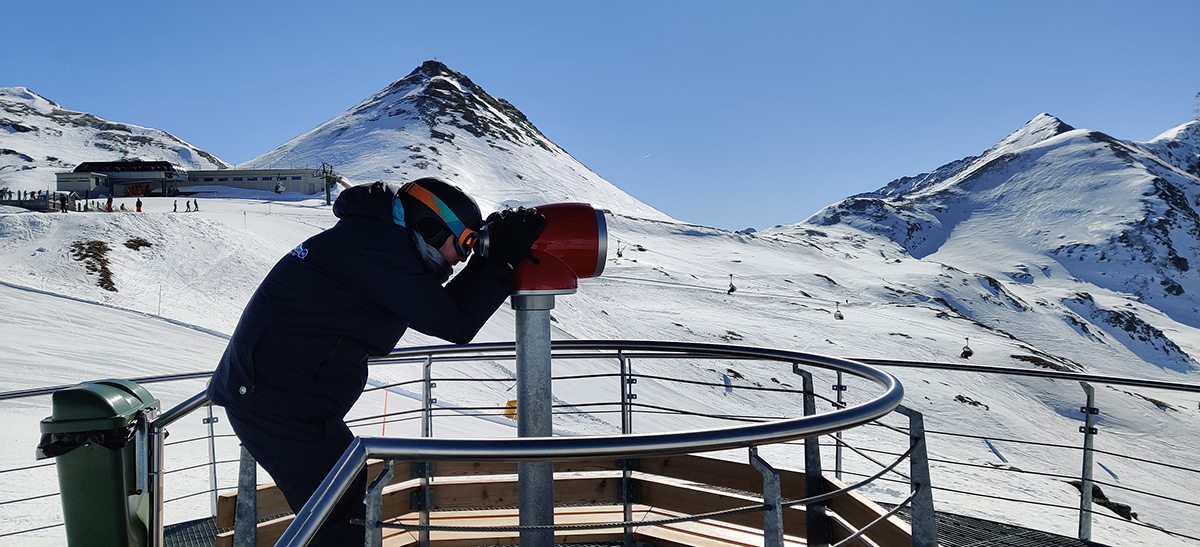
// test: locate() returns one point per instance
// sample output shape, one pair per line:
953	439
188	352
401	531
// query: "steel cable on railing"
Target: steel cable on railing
198	466
1141	460
27	468
830	495
192	495
1144	493
23	500
859	452
1016	441
200	438
389	386
864	529
30	530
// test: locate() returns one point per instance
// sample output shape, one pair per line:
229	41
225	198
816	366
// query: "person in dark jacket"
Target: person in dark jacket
297	361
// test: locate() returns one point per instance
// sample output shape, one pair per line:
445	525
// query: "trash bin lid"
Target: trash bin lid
99	405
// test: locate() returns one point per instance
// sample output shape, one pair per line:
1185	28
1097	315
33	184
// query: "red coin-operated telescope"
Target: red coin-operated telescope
573	245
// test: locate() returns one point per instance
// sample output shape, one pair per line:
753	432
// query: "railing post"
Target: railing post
155	484
840	388
626	428
422	498
1085	485
816	522
373	533
924	521
245	511
212	456
425	468
772	498
427	399
627	394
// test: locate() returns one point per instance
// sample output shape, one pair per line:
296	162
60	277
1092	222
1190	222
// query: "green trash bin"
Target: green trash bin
96	431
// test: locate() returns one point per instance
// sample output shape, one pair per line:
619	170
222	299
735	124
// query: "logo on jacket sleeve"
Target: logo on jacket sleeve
300	251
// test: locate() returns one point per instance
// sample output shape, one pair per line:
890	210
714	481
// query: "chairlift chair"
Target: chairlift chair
967	352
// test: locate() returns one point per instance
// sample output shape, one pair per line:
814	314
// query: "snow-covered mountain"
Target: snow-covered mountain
437	122
39	138
1050	250
1113	223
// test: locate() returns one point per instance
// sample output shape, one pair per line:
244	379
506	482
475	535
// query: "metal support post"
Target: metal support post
245	512
155	485
212	457
772	498
815	519
422	498
427	398
534	415
629	495
626	429
839	388
1085	485
627	394
373	534
924	523
426	468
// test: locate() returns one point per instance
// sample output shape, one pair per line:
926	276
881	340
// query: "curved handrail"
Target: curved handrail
339	479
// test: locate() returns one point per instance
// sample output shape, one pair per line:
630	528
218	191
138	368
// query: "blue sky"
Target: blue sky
728	114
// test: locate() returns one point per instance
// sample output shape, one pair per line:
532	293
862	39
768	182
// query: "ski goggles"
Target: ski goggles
464	238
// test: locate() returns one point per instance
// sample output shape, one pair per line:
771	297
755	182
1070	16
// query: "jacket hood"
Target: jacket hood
373	201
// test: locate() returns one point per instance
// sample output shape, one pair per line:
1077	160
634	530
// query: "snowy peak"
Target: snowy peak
1040	128
436	94
436	122
23	94
1179	146
39	138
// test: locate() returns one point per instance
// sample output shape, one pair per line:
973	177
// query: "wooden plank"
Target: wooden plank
270	503
451	469
704	533
693	500
270	500
854	508
510	517
503	492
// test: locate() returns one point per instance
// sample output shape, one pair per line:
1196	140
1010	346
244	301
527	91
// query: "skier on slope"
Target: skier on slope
297	360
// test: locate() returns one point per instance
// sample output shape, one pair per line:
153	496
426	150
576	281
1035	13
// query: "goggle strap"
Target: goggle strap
438	206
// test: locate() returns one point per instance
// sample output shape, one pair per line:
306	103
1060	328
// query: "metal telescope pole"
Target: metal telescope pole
534	419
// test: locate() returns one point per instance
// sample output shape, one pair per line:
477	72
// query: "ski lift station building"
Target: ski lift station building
129	178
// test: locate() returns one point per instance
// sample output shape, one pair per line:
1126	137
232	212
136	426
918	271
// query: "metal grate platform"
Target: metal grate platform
961	531
196	533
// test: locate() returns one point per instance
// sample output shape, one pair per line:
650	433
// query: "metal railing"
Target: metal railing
566	448
629	406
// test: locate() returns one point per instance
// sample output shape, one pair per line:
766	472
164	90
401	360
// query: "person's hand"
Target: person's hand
512	232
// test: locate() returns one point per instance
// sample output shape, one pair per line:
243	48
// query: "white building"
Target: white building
95	179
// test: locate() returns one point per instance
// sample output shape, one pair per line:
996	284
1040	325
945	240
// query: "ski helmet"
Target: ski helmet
437	210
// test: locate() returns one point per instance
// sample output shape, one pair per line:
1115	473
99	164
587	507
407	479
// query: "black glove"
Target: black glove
511	234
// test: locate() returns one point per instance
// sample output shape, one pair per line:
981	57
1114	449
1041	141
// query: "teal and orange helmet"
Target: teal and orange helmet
437	210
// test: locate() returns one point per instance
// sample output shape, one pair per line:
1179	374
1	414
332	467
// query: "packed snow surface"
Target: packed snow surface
178	298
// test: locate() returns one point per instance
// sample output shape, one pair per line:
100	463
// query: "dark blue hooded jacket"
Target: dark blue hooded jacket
351	291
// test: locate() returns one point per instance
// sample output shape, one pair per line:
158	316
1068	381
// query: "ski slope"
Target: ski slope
177	300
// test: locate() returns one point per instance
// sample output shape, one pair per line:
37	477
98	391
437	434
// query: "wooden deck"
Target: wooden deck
476	494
